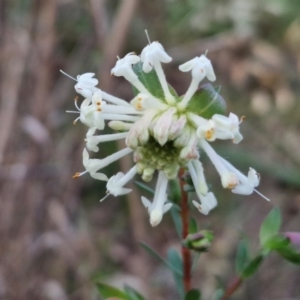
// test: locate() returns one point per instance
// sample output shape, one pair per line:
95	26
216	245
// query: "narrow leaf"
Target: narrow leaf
270	226
108	291
154	254
193	227
149	80
290	254
175	260
176	219
253	266
145	187
242	256
193	295
206	102
133	294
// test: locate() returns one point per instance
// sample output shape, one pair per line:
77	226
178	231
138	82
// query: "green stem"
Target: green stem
232	287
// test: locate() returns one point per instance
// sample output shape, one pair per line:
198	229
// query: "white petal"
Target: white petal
147	203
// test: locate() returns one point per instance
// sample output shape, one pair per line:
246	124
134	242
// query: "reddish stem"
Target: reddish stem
186	255
232	287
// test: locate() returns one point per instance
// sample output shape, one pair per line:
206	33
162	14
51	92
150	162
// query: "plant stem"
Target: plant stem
186	255
232	287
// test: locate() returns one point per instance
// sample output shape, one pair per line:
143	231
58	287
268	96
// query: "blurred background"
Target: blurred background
55	236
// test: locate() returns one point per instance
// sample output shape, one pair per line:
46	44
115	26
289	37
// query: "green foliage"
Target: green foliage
242	256
207	101
175	260
175	213
193	227
108	292
145	187
218	294
132	293
193	295
174	191
253	266
173	267
151	82
270	226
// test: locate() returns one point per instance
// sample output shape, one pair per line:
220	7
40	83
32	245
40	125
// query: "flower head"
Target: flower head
162	131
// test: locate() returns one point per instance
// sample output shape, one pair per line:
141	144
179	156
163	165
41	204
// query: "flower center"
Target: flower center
152	156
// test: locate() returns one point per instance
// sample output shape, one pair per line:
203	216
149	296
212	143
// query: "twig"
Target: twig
186	255
232	287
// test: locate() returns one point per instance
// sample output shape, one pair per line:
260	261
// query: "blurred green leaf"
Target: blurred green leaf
242	256
174	191
175	213
270	226
206	102
175	260
133	294
193	295
290	254
145	187
154	254
218	294
277	242
253	266
193	227
108	291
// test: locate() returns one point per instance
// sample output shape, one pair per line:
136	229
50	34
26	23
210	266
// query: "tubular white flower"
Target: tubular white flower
152	56
143	102
248	183
93	140
115	184
208	202
93	165
227	127
162	126
201	67
86	85
123	68
157	208
229	179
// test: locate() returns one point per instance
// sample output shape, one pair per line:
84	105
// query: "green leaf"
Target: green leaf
133	294
277	242
242	256
108	291
149	80
218	294
175	213
193	227
174	259
270	226
193	295
253	266
290	254
154	254
206	102
174	191
145	187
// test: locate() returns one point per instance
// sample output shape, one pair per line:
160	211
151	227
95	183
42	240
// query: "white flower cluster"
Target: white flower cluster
162	134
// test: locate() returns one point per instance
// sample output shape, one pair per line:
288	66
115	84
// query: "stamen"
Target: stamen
68	75
107	194
76	175
76	98
147	35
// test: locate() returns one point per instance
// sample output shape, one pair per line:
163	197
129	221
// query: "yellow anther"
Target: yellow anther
99	109
76	98
242	118
75	122
209	134
76	175
98	103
